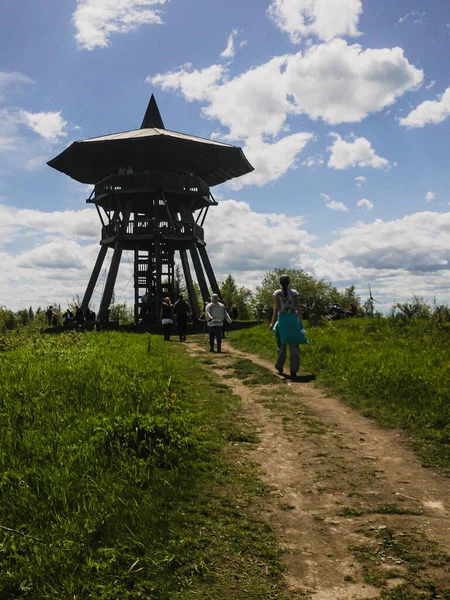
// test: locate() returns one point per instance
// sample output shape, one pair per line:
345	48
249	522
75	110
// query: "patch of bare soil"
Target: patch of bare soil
355	512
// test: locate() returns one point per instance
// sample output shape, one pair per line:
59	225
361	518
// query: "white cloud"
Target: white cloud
191	83
20	149
11	81
261	241
334	82
365	203
252	104
49	125
326	197
271	161
325	19
430	111
429	196
53	262
229	51
96	20
344	84
399	258
360	181
430	85
334	205
16	223
358	152
417	243
313	161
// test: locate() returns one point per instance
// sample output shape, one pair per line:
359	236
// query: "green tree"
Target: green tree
228	290
121	313
315	294
234	296
179	285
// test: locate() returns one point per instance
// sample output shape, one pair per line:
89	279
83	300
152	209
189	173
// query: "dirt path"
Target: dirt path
355	512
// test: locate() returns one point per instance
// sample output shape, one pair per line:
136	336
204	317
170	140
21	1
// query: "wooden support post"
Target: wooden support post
110	281
189	283
158	276
94	277
114	267
199	272
208	268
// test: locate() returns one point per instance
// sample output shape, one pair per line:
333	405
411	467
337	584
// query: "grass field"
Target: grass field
395	372
122	475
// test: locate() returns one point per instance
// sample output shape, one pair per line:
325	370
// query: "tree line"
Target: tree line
316	296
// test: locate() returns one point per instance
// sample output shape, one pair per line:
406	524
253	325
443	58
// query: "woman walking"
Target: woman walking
166	317
287	326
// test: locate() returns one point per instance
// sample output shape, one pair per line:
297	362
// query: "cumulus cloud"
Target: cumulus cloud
365	203
358	152
430	111
324	19
17	223
50	125
416	243
261	241
193	84
271	161
339	83
22	150
429	196
56	259
334	82
404	257
229	51
360	181
334	205
96	20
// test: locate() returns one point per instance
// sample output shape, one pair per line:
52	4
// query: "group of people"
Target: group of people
78	318
216	315
179	312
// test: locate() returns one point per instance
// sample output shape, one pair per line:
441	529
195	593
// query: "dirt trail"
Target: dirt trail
353	509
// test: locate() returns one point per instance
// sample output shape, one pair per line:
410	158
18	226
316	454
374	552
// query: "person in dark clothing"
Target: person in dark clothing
181	310
79	317
49	315
68	317
166	317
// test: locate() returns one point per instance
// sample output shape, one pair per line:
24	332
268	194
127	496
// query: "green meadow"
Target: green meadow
395	371
114	478
123	468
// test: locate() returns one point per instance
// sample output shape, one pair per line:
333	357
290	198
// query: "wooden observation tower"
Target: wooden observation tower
152	194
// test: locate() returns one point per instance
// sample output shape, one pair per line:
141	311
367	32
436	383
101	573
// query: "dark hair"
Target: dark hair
284	282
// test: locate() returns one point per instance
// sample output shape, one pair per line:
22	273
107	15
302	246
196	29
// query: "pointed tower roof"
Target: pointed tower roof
152	117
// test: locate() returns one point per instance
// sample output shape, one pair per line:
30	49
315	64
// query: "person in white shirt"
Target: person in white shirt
216	314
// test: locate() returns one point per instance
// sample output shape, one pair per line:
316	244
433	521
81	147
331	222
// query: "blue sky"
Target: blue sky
342	107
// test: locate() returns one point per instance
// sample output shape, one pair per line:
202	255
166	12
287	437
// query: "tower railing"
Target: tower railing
142	226
143	182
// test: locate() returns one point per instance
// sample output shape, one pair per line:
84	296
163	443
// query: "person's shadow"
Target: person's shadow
304	378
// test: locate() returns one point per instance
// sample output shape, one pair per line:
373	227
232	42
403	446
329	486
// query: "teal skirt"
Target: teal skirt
289	330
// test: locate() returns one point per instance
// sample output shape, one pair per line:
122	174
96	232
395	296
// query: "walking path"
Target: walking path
353	509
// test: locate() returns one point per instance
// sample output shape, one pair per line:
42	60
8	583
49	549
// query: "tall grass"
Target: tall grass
108	459
395	371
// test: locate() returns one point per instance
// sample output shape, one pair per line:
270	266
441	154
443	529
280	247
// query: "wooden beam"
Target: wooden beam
199	272
110	282
94	277
189	283
208	269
